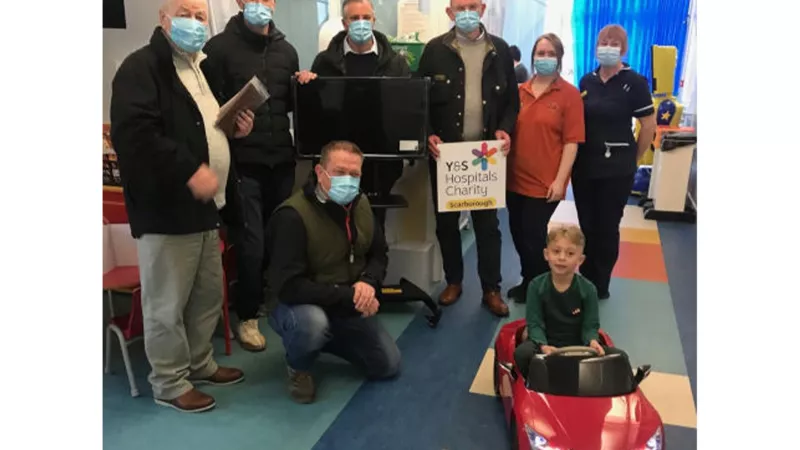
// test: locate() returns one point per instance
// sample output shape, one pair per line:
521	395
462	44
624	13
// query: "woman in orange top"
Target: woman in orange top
549	129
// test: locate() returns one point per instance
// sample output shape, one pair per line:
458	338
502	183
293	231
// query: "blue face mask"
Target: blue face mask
188	34
344	189
257	14
468	21
608	56
360	31
545	65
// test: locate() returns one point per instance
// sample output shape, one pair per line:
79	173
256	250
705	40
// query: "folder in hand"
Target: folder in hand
251	97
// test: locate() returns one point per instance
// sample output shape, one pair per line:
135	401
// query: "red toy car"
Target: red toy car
574	400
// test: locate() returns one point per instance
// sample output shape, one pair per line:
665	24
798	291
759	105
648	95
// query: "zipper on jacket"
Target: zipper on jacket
347	224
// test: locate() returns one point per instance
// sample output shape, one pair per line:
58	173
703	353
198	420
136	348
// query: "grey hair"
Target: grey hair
347	2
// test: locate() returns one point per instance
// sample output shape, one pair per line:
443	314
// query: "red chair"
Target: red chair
128	327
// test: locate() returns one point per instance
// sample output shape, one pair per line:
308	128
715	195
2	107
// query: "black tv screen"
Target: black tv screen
114	14
386	117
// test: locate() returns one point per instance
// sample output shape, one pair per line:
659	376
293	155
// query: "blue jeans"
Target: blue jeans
307	331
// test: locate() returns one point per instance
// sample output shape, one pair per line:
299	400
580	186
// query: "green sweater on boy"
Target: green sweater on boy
561	319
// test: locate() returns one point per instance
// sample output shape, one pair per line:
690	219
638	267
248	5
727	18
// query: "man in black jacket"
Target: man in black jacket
251	45
361	51
473	97
328	260
174	164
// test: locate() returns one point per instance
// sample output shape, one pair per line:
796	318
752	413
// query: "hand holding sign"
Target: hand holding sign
503	136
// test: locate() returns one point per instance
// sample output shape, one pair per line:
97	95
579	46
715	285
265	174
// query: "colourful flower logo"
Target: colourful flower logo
484	156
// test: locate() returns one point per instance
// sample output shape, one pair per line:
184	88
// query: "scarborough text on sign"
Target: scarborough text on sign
471	175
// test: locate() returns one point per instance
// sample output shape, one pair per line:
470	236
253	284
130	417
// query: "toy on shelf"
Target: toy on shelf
668	109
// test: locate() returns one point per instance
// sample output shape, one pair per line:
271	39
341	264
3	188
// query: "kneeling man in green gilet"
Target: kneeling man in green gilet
328	258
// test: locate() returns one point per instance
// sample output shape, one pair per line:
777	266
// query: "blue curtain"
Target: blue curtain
647	22
524	22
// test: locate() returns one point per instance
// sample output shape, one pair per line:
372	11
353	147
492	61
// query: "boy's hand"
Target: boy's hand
547	349
597	347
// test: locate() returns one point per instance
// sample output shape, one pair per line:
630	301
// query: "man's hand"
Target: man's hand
305	76
204	183
503	136
433	145
547	349
244	124
597	347
364	294
555	192
371	308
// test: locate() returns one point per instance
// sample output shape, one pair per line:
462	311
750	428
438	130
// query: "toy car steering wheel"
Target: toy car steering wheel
575	350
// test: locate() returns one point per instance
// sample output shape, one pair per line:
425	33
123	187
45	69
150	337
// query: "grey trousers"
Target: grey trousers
182	290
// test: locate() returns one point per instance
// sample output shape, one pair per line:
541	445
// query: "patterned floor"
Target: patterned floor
443	398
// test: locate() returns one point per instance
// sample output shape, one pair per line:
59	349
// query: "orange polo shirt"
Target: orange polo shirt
544	126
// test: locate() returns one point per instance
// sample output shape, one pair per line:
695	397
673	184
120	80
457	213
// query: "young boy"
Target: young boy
562	305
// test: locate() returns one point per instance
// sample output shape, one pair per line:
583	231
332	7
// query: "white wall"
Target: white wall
142	18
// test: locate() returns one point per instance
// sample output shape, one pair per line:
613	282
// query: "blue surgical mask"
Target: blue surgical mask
257	14
188	34
608	56
344	189
468	21
360	31
545	65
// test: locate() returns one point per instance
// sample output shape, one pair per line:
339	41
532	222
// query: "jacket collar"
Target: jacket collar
161	45
450	38
335	50
348	49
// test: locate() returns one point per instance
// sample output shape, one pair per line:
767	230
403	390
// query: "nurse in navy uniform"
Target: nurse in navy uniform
613	94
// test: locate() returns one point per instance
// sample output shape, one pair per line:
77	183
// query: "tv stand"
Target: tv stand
405	291
384	201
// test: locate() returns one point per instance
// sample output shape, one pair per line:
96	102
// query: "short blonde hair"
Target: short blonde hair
615	32
572	233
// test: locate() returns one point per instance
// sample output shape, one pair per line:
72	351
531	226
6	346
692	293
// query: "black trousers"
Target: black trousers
261	189
528	218
525	352
487	239
600	204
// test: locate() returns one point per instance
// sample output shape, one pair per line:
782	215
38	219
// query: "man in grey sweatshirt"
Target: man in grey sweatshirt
473	97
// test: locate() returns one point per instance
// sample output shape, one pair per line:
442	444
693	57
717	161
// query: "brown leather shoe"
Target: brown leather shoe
223	377
450	295
495	303
193	401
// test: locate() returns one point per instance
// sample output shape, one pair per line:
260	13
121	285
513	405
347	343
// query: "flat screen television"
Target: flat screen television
114	14
386	117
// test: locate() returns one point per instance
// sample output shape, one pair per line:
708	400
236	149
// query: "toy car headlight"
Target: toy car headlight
656	441
538	442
